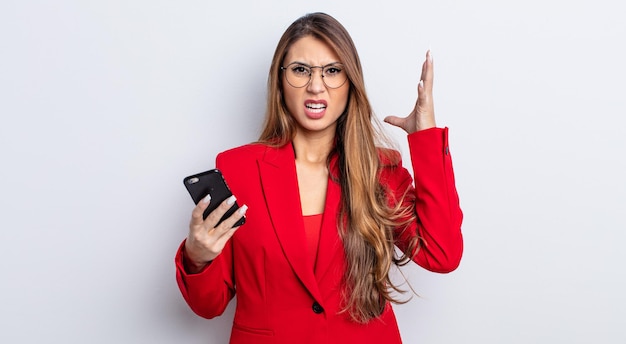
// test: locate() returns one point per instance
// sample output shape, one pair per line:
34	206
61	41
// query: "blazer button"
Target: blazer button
317	309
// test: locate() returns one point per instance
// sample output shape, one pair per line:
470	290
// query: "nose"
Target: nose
316	84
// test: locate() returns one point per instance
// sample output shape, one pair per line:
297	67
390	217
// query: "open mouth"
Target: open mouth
315	107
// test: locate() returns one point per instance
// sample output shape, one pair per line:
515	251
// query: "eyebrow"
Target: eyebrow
308	65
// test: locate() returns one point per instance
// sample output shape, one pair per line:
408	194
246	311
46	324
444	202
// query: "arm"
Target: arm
435	200
434	197
204	262
208	291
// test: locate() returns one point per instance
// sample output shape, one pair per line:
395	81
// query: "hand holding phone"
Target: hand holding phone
207	240
211	183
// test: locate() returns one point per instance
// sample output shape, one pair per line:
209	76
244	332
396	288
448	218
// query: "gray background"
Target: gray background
106	105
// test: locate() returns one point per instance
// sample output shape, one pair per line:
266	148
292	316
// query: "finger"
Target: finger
198	211
428	72
395	121
424	67
423	96
236	216
215	216
425	86
424	104
227	227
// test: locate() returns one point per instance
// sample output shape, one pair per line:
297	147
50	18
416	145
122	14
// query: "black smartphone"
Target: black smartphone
211	182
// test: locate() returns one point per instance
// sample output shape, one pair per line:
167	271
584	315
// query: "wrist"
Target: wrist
192	265
423	125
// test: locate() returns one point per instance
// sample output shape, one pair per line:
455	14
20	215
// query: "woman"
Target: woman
326	205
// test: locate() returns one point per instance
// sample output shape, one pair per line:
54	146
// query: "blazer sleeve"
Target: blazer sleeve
208	292
433	195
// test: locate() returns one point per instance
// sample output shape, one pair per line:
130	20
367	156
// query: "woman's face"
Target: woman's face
315	107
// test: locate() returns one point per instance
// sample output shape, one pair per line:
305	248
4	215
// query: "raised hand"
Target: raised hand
423	115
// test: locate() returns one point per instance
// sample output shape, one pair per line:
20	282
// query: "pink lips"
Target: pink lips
315	109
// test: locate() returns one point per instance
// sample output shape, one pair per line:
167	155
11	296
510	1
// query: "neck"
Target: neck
313	148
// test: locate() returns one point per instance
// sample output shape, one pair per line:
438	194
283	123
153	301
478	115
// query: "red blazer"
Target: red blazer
280	297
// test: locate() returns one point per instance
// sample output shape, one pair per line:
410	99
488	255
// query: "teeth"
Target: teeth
315	106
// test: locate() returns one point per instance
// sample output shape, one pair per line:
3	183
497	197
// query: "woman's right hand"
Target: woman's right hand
206	241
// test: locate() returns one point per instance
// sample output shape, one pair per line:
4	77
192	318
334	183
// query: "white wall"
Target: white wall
105	107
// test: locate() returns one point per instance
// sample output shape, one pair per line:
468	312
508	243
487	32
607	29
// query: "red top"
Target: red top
312	229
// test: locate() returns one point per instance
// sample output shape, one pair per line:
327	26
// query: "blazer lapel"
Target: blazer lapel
280	187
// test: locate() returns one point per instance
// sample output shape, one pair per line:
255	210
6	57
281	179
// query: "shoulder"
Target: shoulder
250	151
237	163
247	156
241	165
389	158
240	157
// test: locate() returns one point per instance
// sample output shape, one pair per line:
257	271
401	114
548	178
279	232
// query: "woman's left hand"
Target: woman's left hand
423	115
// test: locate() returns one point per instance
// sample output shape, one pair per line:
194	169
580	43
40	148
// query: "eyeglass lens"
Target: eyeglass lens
299	75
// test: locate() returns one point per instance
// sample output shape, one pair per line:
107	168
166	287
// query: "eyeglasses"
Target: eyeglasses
299	74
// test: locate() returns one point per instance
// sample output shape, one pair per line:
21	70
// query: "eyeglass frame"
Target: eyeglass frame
284	68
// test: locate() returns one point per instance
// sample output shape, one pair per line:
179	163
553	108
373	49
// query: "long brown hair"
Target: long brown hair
366	222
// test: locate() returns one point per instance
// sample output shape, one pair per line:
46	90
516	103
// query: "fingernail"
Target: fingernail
231	200
243	210
206	199
430	55
421	84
